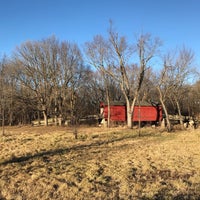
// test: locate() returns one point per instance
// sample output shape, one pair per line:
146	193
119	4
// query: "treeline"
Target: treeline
55	79
46	79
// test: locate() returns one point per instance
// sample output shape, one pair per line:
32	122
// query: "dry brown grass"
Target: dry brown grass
47	163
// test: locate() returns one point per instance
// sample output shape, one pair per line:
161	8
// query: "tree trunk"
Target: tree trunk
56	114
129	119
129	114
38	117
3	122
108	122
11	109
45	117
179	113
169	127
130	109
10	118
108	102
56	109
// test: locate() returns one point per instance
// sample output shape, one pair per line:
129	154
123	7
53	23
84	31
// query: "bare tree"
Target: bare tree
34	72
48	68
2	92
171	80
193	99
164	85
146	48
98	53
182	71
113	57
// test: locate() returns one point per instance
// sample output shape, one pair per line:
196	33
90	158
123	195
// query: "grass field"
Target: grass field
38	163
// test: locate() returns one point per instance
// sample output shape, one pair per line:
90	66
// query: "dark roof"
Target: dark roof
123	103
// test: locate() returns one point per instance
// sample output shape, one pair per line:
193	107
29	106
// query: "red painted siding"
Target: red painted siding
147	113
141	113
117	113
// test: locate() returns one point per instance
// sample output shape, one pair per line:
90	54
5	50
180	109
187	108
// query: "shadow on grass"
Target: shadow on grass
66	150
181	196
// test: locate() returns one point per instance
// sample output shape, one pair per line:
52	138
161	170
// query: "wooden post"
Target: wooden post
139	118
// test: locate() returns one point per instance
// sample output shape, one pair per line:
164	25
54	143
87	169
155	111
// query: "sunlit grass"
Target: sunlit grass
117	163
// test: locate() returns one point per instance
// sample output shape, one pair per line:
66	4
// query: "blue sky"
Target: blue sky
175	22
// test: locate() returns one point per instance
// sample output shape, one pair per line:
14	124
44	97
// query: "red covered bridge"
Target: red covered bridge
145	112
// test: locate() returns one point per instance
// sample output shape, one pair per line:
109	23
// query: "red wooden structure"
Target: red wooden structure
145	112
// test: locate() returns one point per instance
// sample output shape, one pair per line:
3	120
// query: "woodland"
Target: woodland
49	78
